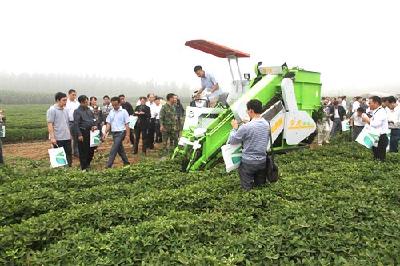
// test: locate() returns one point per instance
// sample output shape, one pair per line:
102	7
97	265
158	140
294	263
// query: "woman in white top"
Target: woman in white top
378	121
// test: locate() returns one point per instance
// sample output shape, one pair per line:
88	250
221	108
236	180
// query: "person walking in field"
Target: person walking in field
323	124
337	115
356	121
143	113
58	125
152	126
2	120
180	115
168	122
107	107
378	121
156	112
118	123
393	111
72	105
84	122
128	107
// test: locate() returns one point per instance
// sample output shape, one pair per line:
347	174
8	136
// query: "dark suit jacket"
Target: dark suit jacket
342	112
128	107
144	119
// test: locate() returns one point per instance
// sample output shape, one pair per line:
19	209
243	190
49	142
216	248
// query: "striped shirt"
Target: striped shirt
254	137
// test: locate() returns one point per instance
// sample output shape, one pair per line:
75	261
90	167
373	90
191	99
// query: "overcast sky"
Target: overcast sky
354	44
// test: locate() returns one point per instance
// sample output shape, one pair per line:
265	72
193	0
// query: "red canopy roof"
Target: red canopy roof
215	49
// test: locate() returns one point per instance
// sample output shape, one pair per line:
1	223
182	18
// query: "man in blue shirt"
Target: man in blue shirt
118	123
209	85
254	137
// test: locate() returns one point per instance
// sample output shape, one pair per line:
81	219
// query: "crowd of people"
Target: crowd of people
382	114
71	119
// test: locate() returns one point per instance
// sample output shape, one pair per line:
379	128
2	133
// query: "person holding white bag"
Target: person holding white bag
254	137
84	122
378	121
58	126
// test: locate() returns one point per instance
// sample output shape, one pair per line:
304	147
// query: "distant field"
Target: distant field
25	122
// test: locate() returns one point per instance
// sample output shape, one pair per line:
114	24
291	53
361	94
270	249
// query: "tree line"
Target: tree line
40	88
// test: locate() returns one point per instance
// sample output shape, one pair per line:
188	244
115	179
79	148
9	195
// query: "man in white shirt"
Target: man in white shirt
156	111
393	111
72	105
356	121
378	121
118	123
337	114
152	127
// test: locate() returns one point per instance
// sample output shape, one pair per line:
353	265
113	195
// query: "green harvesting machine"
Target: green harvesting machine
289	96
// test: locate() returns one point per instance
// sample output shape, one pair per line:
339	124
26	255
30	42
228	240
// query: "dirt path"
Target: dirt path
38	151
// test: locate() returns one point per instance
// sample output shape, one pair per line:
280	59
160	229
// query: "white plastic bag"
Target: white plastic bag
95	138
132	121
2	131
57	157
368	137
232	155
103	129
345	125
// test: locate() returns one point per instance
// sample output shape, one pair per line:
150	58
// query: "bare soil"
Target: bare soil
38	151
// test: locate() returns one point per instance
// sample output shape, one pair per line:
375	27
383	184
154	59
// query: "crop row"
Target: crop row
37	232
328	208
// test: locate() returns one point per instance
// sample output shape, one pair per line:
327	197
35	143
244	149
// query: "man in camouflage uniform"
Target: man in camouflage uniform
168	121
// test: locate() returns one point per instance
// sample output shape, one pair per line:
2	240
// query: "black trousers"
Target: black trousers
394	140
151	133
158	131
86	153
1	153
141	131
132	137
117	148
67	145
380	151
252	175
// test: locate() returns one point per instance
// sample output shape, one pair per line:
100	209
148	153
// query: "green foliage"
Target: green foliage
333	205
26	122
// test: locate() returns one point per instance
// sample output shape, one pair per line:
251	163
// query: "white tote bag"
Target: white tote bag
368	137
232	155
57	157
345	125
132	121
2	131
95	138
